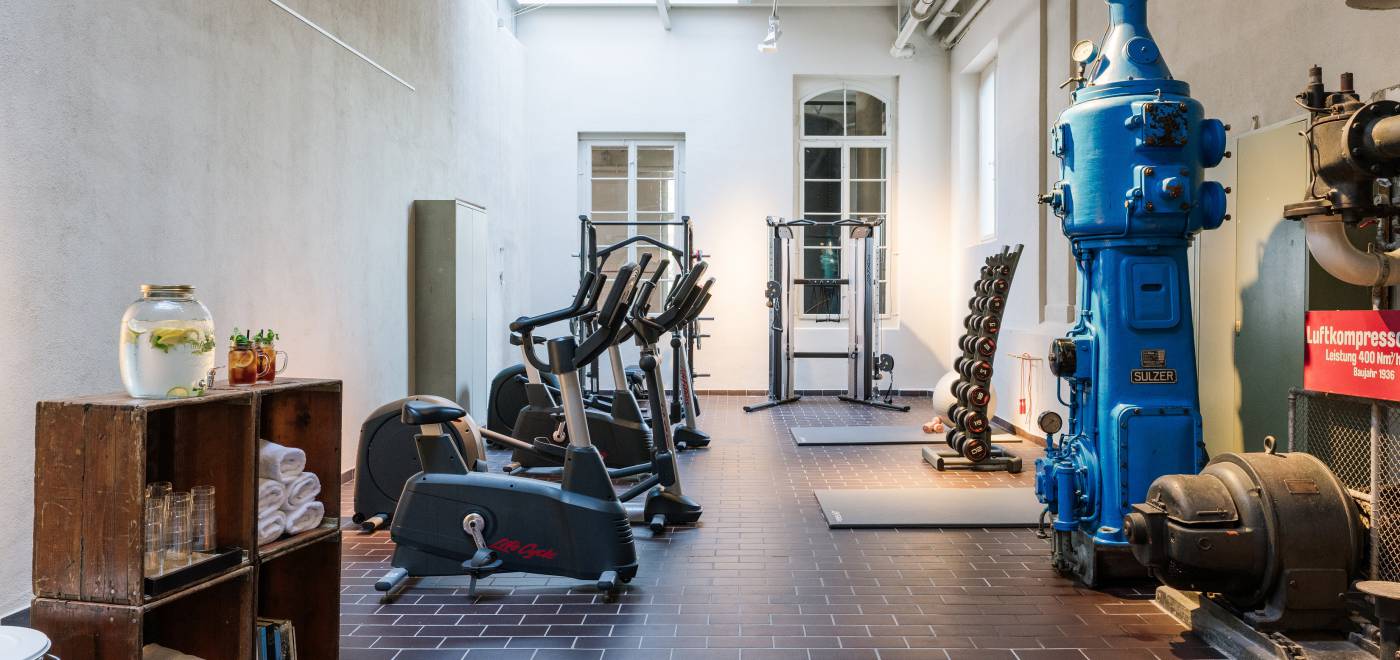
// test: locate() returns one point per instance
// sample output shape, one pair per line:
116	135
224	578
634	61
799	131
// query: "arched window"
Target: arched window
844	173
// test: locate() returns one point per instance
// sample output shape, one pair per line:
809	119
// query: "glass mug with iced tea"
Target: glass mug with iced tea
265	343
243	364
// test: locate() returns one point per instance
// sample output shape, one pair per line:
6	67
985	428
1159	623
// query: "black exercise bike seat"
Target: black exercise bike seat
419	413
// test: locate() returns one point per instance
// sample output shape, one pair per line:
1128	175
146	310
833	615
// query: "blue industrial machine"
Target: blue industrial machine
1133	149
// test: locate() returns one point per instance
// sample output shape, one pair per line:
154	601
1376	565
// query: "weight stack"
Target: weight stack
970	437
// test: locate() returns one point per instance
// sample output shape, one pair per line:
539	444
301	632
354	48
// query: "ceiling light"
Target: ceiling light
1374	4
775	30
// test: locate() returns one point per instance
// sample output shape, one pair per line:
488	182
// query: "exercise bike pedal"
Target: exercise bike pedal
483	563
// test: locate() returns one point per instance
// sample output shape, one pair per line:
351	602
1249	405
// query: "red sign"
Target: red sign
1353	352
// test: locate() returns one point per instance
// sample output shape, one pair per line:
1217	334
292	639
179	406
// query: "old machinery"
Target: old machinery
1133	149
1277	536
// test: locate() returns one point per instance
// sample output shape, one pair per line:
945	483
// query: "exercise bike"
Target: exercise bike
451	520
665	502
620	433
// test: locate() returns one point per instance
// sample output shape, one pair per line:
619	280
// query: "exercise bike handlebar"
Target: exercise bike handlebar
683	295
610	318
586	298
674	318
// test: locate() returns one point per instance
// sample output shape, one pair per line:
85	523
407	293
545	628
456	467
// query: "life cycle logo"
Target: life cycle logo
524	550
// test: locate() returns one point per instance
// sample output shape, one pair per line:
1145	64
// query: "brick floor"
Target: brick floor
763	578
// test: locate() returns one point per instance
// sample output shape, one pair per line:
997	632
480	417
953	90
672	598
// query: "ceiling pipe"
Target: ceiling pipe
918	13
958	30
944	13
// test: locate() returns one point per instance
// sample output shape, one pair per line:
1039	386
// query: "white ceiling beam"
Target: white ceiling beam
663	7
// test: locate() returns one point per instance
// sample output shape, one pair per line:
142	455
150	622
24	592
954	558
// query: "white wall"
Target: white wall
229	146
1015	32
617	70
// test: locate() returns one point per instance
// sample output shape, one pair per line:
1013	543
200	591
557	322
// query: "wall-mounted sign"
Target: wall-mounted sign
1353	352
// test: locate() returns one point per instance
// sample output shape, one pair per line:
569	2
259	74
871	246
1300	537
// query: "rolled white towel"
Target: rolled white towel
158	652
271	526
301	489
278	462
305	517
272	494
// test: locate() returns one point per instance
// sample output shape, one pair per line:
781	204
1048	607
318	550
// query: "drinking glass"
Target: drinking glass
154	522
202	518
269	361
242	364
158	489
178	531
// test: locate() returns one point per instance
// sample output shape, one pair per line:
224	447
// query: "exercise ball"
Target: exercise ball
943	398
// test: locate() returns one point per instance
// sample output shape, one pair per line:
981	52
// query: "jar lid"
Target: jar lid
22	643
167	289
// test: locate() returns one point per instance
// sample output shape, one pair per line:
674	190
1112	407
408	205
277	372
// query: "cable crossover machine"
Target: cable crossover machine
865	363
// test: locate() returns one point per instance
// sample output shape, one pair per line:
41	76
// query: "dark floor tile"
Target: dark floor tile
763	578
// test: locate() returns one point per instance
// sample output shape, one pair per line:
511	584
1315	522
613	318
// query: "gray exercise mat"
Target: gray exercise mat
815	436
930	507
825	436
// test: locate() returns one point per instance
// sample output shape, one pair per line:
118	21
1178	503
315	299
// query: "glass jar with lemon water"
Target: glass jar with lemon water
167	344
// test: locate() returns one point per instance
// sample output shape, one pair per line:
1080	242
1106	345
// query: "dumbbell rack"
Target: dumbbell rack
970	437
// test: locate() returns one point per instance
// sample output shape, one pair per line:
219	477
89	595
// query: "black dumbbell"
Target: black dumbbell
999	285
977	396
975	423
985	346
954	438
975	449
979	371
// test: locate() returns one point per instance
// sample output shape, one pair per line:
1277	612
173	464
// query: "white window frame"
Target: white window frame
887	141
986	150
587	143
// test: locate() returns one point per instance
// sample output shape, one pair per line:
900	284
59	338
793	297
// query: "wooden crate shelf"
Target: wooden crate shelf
93	457
212	620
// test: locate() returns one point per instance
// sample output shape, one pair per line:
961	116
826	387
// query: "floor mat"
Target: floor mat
930	507
818	436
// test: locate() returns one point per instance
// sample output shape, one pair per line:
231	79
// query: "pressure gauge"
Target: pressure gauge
1084	52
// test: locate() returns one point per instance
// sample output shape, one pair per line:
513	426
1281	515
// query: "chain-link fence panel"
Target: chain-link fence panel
1337	430
1385	515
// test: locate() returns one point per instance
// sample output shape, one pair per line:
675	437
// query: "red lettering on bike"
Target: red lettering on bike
524	550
